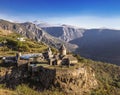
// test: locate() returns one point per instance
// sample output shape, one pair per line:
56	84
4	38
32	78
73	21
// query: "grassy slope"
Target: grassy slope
108	76
12	45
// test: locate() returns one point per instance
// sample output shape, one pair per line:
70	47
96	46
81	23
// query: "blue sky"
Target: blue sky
82	13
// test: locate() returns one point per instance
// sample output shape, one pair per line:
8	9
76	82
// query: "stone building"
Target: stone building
35	60
62	58
70	59
19	60
22	39
63	50
49	53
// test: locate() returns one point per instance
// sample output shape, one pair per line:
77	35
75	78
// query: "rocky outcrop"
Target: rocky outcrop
72	81
14	76
77	81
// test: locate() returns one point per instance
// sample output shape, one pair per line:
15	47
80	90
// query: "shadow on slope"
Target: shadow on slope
101	45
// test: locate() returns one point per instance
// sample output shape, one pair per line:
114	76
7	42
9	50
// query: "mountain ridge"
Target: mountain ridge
65	33
31	31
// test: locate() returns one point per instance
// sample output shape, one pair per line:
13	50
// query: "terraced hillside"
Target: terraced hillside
10	44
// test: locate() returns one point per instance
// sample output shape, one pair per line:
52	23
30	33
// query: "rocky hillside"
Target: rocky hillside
63	32
78	80
33	32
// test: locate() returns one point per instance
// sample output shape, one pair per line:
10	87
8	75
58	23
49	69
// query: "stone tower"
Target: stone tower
49	52
18	56
63	50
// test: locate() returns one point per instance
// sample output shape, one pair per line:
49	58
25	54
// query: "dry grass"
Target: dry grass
7	92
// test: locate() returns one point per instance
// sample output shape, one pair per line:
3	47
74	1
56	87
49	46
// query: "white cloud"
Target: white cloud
17	18
80	21
88	21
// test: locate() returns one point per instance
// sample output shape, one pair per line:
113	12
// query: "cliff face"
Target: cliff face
65	33
80	80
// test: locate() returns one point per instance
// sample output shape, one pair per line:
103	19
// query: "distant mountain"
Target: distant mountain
63	32
97	44
31	31
41	23
100	44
